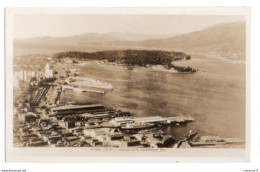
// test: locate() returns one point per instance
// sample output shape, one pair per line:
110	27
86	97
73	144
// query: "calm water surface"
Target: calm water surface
215	97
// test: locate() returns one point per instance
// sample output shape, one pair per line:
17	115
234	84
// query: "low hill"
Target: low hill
128	57
227	40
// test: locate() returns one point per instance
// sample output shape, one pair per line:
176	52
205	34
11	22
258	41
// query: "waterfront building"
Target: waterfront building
66	110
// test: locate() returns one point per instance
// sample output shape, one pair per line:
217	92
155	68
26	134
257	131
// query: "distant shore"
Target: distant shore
120	67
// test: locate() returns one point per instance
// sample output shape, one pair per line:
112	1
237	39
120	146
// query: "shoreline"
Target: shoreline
111	67
122	67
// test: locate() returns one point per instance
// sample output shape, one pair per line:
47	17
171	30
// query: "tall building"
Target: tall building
25	75
48	71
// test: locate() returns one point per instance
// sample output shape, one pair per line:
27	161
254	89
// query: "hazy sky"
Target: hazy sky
58	25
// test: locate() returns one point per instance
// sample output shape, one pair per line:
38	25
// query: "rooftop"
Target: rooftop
76	107
149	119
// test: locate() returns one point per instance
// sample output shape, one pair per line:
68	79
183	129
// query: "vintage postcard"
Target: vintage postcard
146	84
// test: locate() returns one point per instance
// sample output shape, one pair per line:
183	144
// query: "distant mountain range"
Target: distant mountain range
226	39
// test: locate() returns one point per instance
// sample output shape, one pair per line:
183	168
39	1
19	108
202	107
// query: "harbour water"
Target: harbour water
214	96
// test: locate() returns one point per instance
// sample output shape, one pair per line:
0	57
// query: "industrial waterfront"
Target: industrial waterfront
48	112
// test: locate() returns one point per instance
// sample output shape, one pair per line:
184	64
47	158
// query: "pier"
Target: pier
56	125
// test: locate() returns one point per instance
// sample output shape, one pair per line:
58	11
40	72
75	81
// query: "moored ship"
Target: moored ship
137	126
207	141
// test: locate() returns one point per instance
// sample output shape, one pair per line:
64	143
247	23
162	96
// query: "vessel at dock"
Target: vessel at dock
137	126
207	141
90	82
80	90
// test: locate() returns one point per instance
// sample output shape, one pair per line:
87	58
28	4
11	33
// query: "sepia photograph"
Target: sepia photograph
127	80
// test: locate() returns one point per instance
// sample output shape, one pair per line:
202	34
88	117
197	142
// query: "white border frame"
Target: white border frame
79	155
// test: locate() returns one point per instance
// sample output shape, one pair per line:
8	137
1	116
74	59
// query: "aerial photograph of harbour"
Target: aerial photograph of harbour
129	81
